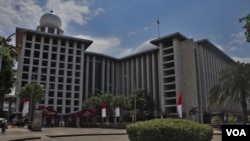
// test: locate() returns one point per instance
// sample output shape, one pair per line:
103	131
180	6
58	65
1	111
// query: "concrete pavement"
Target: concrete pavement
76	134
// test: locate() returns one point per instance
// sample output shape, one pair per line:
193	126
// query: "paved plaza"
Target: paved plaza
72	134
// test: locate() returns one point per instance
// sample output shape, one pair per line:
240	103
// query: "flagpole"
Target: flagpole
158	26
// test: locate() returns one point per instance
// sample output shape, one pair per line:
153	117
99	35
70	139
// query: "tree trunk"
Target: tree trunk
244	107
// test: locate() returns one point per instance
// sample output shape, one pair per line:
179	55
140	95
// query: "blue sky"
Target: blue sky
120	28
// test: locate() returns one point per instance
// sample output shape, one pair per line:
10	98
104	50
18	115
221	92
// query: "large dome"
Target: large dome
51	20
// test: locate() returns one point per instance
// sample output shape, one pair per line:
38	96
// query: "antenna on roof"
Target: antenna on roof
158	26
52	7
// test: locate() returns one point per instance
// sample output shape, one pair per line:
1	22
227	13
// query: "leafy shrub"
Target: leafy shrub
216	121
232	119
169	129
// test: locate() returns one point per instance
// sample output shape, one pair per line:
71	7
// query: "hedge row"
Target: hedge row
169	129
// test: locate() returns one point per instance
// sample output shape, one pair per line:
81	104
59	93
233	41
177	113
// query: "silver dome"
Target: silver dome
51	20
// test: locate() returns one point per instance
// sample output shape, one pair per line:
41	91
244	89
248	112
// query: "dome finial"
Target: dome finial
52	9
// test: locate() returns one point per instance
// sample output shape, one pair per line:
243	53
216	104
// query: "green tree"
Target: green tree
7	72
32	90
106	99
144	103
122	102
92	102
232	85
246	26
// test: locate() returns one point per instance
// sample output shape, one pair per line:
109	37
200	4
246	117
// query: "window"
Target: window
77	74
25	76
78	67
46	40
53	64
70	59
71	44
69	73
28	45
35	62
68	87
60	87
70	66
77	88
26	61
63	43
55	41
36	54
45	55
27	53
45	47
61	65
51	94
59	102
68	102
44	63
60	79
37	46
61	72
59	94
78	52
54	49
26	68
69	80
53	56
52	79
62	57
62	50
38	39
78	59
68	95
52	71
71	51
29	37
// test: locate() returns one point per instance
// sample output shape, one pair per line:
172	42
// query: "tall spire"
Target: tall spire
158	26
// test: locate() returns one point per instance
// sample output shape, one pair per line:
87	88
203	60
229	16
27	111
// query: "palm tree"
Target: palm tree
32	90
122	102
92	102
233	85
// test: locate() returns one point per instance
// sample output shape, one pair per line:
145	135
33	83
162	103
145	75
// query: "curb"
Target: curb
66	135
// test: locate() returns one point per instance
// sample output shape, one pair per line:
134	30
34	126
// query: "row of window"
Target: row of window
54	48
59	94
45	55
60	102
36	63
55	41
69	87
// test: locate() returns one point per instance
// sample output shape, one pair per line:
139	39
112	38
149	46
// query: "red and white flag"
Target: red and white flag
25	108
179	105
104	110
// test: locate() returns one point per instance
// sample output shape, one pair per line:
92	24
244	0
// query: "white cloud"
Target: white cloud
238	38
219	46
234	48
245	59
102	45
27	13
78	12
14	14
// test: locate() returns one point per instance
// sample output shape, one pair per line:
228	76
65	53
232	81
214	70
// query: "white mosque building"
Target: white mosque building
70	74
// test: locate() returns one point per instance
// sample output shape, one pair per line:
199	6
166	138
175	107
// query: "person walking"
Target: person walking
14	120
4	126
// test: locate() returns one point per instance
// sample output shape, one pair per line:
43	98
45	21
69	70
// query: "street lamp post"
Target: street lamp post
134	99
